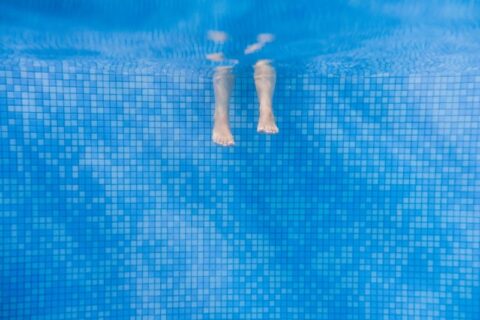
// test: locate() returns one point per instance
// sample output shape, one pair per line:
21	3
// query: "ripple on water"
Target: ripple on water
326	37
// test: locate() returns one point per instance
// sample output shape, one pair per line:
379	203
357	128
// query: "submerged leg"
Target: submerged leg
222	85
265	77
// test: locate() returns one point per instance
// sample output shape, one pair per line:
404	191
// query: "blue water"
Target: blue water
116	204
335	37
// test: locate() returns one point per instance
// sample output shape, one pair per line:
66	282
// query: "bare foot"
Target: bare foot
266	121
222	84
221	132
265	78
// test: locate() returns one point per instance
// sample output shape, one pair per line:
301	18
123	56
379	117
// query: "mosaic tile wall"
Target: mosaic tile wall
115	204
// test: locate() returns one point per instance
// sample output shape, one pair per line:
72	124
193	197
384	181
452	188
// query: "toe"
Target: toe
223	141
270	129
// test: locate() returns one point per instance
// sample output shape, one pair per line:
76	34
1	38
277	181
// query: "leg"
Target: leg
265	77
222	85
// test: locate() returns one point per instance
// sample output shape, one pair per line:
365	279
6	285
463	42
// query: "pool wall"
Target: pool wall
115	203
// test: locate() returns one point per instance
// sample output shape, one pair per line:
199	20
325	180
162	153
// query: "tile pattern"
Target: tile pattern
115	204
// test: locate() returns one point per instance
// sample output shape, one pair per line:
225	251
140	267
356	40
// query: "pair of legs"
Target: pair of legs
265	78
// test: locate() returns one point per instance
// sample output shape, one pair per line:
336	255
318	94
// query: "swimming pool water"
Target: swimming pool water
344	36
115	203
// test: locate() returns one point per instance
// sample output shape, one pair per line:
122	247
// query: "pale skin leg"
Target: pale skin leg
222	85
265	77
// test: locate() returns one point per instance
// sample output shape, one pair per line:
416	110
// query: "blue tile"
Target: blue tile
115	204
